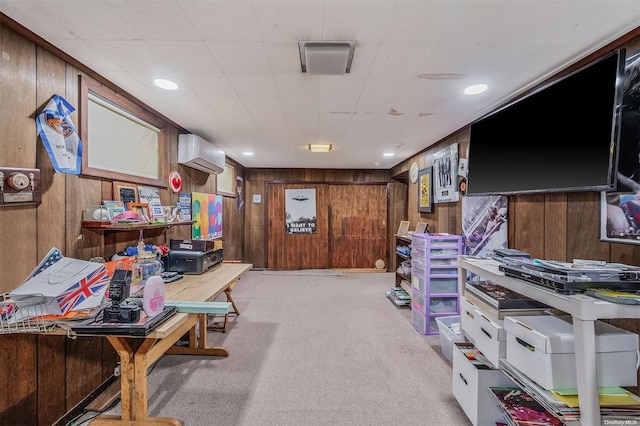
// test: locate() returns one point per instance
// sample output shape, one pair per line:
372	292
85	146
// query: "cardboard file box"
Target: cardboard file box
542	348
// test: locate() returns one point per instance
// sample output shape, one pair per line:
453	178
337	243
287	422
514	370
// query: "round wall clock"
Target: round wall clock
413	172
175	181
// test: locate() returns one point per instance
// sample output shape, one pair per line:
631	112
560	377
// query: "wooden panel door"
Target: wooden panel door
296	251
357	225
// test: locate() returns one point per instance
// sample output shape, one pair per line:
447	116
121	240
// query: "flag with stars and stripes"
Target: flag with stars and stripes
52	257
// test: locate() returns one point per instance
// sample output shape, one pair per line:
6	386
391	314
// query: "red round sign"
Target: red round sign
175	181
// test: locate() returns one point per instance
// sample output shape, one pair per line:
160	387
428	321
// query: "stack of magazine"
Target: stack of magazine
615	402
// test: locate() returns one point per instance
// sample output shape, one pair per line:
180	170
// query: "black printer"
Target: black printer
193	261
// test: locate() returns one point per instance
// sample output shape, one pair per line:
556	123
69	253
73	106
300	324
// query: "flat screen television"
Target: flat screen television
562	137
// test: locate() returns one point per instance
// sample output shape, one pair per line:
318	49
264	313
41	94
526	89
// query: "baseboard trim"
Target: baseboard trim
79	408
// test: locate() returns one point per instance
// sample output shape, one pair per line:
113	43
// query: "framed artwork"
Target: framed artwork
421	227
403	229
425	202
445	171
620	217
125	192
151	196
142	209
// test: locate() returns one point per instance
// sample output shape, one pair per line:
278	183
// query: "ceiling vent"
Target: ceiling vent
326	57
195	152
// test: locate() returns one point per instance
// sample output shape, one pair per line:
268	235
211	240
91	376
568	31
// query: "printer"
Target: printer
193	261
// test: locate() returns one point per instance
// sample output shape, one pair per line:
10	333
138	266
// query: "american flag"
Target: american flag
83	289
52	257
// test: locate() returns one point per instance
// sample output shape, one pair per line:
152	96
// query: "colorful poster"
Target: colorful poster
484	224
300	207
206	212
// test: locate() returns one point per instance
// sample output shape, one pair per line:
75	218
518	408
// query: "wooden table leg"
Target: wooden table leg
133	382
235	311
198	342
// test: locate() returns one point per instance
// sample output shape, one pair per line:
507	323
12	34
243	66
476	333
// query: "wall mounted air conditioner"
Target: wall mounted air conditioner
193	151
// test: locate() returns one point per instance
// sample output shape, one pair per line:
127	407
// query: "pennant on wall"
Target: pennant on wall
59	136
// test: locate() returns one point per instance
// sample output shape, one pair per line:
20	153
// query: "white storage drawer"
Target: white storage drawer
542	347
487	333
470	386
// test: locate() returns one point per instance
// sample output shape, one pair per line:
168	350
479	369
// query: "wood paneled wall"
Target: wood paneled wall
256	184
45	376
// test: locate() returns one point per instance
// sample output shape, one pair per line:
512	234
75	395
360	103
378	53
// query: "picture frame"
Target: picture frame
618	223
125	192
151	196
142	209
421	227
445	170
403	229
425	184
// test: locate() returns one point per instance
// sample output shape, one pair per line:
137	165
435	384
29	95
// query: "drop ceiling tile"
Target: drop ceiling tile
222	21
185	56
241	57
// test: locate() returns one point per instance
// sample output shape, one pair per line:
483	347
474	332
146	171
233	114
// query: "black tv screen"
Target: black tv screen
562	137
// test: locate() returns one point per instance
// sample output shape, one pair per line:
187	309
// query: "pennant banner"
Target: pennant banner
59	136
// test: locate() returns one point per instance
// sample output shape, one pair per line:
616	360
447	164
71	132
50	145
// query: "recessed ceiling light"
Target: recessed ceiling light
388	154
475	89
247	153
165	84
442	76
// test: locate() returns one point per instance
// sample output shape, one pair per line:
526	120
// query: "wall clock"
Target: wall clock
413	172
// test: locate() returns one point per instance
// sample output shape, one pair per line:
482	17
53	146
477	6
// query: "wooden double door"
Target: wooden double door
351	228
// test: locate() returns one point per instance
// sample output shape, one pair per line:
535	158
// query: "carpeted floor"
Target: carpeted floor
310	349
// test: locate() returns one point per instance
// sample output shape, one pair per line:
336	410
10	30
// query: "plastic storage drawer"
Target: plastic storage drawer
425	324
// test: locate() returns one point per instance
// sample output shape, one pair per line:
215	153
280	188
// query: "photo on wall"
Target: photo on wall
484	224
445	175
620	210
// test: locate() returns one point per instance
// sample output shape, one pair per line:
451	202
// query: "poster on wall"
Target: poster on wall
620	211
300	208
484	224
445	174
206	213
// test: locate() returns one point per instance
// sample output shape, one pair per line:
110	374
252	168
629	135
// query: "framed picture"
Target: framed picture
125	192
151	196
403	229
445	171
421	228
425	202
142	209
620	217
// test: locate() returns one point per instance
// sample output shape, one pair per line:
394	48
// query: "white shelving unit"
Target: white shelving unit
585	310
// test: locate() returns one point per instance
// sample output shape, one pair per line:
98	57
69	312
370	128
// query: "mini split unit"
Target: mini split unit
195	152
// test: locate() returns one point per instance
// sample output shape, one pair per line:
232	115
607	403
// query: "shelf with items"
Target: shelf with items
403	262
434	279
101	228
399	297
584	311
129	226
